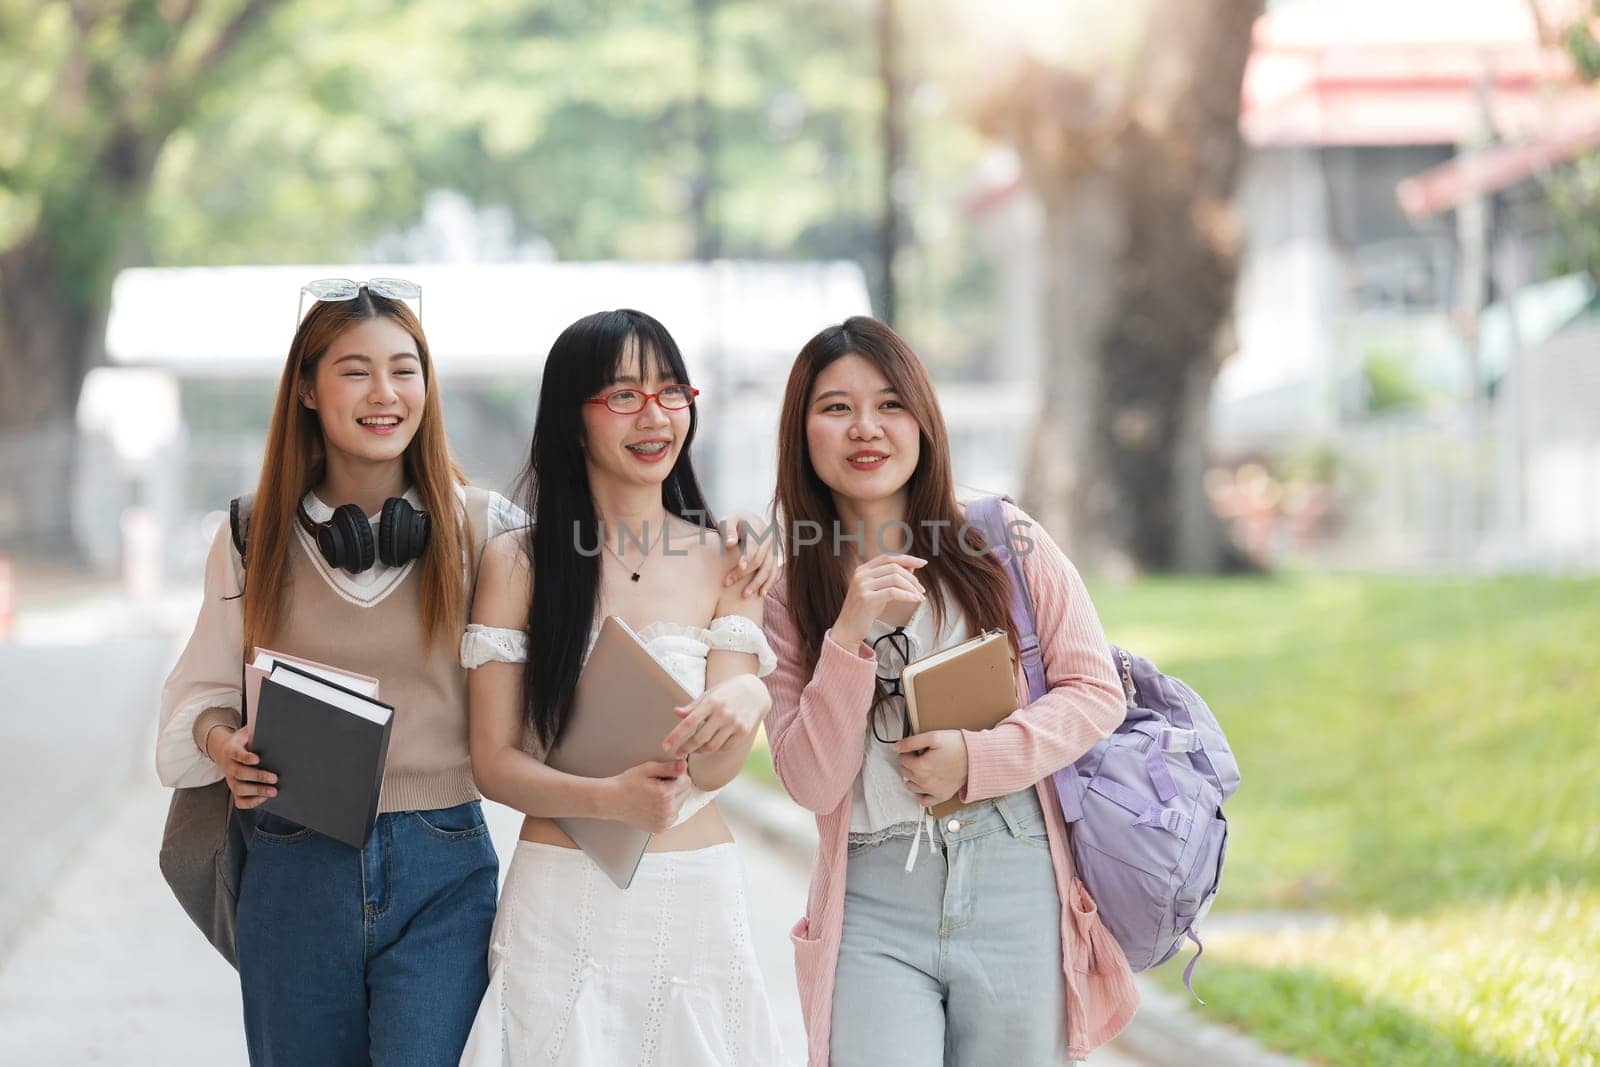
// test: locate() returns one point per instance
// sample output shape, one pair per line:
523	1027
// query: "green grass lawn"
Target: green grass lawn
1420	757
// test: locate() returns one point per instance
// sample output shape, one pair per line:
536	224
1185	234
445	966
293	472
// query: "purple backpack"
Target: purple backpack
1145	805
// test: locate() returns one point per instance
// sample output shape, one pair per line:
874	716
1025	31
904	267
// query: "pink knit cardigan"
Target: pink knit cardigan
817	729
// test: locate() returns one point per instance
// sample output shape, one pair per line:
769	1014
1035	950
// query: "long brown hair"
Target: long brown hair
294	462
816	580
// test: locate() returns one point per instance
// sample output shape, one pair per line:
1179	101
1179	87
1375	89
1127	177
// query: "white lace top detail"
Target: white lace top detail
677	645
492	644
680	648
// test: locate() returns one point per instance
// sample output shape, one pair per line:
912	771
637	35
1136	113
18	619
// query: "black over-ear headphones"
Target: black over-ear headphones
346	540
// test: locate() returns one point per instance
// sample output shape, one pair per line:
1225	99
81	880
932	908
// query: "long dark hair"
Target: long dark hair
555	493
815	580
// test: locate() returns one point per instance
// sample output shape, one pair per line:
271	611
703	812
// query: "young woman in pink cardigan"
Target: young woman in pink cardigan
988	948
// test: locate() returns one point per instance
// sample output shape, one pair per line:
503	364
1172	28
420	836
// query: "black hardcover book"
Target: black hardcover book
327	745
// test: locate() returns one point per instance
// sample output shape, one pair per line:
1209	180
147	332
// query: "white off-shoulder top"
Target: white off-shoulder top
680	648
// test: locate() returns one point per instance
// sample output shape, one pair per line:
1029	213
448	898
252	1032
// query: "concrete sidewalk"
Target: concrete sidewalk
80	682
107	969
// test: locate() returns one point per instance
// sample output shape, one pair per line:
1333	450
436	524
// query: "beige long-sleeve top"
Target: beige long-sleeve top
369	624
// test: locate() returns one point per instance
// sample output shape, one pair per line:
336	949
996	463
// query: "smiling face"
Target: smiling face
637	449
368	391
862	441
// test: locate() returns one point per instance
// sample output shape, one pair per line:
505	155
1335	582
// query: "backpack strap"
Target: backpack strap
239	509
989	519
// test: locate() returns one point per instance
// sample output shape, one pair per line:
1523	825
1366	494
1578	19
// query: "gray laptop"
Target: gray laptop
621	711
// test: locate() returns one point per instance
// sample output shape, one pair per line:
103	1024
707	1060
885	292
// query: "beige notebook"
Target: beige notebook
970	686
621	712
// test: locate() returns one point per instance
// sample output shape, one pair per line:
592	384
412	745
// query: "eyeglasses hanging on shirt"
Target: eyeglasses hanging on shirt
891	721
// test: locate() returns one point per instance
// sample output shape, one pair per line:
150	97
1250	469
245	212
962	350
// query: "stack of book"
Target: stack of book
970	686
325	734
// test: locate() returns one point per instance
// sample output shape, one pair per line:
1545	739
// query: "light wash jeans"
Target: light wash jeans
959	961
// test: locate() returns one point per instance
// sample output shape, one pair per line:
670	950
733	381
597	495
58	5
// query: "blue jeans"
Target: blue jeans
959	961
373	956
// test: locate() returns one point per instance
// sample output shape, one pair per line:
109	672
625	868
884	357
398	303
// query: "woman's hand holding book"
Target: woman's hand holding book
933	765
250	785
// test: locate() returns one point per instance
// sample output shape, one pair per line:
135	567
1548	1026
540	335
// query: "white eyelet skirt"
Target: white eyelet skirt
663	973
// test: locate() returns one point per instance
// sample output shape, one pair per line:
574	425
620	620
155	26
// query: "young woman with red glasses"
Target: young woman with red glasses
582	972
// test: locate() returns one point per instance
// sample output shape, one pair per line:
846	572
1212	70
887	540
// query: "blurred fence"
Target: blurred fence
1455	490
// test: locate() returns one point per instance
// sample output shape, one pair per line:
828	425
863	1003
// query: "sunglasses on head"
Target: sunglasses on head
337	289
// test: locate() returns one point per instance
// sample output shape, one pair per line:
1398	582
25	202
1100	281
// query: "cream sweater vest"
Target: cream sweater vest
429	763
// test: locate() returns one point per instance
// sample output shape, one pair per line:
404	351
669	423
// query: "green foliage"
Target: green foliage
1574	193
575	117
1319	464
1389	385
1584	49
1506	982
1419	756
308	134
92	94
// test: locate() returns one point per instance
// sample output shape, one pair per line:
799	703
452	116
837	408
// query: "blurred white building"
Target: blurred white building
1395	155
177	419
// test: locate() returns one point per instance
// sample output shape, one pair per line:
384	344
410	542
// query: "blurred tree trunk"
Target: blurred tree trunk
47	343
1136	174
122	78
